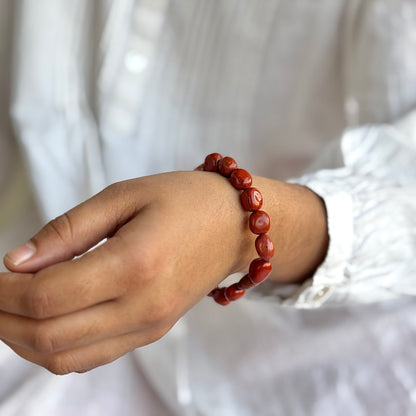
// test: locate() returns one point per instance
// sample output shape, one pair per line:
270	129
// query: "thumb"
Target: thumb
73	233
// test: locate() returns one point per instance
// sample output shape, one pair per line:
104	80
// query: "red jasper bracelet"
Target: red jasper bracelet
259	223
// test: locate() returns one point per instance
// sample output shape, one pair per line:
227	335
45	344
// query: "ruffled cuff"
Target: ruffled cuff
370	205
331	273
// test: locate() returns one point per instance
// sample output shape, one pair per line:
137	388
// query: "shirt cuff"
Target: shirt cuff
321	287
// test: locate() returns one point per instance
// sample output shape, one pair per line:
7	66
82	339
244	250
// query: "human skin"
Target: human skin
171	238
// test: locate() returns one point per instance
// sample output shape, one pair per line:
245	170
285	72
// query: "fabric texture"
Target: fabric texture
106	91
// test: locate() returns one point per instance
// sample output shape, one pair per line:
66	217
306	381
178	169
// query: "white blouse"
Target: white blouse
117	89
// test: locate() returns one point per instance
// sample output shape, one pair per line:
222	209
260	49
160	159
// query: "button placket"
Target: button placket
123	105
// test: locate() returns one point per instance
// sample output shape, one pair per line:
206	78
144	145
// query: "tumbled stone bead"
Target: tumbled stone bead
211	161
259	270
264	247
233	292
219	297
212	293
241	179
226	166
259	222
251	199
245	283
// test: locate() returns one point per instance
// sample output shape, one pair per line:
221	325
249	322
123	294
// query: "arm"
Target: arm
161	257
163	253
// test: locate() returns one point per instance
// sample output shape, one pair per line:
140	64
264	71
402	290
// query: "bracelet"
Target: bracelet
259	223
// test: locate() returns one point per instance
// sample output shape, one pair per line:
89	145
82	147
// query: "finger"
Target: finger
88	357
100	322
123	263
65	287
76	231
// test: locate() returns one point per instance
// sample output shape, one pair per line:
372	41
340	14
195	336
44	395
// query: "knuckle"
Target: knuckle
117	188
157	334
43	340
59	365
144	264
160	312
147	261
62	227
114	187
37	303
63	363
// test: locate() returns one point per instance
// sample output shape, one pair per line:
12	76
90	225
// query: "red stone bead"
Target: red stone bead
213	291
240	179
259	222
233	292
219	297
245	283
251	199
265	247
211	161
226	166
259	270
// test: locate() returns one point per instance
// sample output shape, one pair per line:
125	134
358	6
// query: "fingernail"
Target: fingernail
22	253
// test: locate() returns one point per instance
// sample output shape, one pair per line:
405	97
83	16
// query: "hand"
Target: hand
171	238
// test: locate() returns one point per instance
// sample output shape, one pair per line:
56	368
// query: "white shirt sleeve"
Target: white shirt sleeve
371	208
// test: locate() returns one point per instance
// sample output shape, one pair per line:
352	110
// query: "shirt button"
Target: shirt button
135	62
321	293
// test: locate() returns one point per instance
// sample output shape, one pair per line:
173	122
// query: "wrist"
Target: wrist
299	229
